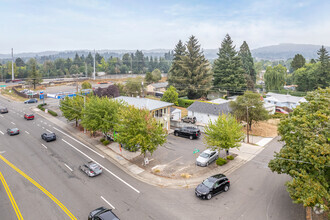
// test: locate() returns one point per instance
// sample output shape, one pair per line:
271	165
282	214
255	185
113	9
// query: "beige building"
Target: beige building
157	87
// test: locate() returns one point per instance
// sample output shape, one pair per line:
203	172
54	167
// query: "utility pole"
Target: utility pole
12	64
94	65
77	82
86	69
247	121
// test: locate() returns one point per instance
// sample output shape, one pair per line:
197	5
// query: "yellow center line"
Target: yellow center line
12	200
40	187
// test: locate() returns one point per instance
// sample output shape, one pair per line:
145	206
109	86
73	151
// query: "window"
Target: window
164	110
156	113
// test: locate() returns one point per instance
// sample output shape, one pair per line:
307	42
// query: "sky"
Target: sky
56	25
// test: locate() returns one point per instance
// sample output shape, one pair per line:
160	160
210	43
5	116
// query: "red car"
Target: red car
29	116
282	111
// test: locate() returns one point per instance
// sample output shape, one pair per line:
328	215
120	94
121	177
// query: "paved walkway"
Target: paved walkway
122	158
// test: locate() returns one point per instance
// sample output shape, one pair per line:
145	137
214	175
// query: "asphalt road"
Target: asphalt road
256	192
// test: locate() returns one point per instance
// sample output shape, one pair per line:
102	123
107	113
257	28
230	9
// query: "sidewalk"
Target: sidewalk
121	158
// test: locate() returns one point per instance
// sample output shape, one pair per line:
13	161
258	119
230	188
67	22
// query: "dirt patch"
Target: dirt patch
184	111
265	128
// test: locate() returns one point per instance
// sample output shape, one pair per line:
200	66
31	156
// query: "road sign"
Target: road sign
41	96
41	92
195	151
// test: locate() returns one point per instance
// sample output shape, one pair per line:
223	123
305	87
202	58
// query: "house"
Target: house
159	109
219	101
204	111
281	100
175	113
269	107
157	87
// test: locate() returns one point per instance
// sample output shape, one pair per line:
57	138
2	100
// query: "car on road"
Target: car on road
29	116
191	132
282	111
102	214
206	157
91	169
31	101
189	119
3	110
48	136
212	186
12	131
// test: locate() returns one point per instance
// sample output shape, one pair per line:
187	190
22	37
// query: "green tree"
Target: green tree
170	95
312	61
175	75
298	62
19	62
248	65
34	76
72	108
133	86
256	110
86	85
306	77
138	62
275	78
100	114
323	80
306	153
228	69
224	133
74	70
196	71
156	75
148	78
137	127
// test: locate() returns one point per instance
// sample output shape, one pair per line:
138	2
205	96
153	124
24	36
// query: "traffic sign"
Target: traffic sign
41	92
195	151
41	96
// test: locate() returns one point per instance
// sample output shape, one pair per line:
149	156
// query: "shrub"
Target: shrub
52	113
102	139
230	157
278	115
106	142
221	161
40	107
185	103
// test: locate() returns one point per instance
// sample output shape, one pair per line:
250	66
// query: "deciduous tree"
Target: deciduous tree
72	107
275	78
170	95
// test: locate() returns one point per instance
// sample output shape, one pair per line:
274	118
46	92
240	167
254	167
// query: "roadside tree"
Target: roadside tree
72	107
86	85
306	153
170	95
224	133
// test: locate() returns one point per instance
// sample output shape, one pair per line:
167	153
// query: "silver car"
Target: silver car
91	169
206	157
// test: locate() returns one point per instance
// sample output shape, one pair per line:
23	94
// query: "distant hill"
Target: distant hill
286	51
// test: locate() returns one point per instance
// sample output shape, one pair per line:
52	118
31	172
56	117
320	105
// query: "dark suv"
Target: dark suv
191	132
48	137
102	214
212	186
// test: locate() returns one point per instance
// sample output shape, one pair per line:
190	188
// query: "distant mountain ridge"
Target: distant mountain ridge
273	52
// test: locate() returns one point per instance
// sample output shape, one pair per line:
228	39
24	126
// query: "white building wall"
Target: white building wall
202	117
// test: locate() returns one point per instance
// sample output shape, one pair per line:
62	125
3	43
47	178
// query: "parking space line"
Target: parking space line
68	167
108	202
48	130
43	127
101	166
1	132
1	115
27	132
12	123
44	146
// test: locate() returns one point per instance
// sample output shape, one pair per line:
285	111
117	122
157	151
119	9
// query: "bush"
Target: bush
230	157
106	142
102	139
278	115
40	107
185	103
221	161
52	113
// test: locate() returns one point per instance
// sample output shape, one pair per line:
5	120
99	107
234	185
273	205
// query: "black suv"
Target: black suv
102	213
191	132
212	186
48	137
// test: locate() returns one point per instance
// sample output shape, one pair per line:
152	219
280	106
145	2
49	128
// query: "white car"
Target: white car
206	157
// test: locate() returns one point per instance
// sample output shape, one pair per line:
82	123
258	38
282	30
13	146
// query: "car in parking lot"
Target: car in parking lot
3	110
31	101
12	131
29	116
206	157
48	136
191	132
91	169
281	111
189	119
212	186
102	214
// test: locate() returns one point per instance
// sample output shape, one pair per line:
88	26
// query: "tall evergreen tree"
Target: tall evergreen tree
227	69
175	73
324	70
298	62
248	65
196	70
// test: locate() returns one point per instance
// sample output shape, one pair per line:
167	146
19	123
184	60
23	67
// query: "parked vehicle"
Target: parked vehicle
3	110
206	157
282	111
48	136
189	119
31	101
102	214
212	186
191	132
29	116
12	131
91	169
7	80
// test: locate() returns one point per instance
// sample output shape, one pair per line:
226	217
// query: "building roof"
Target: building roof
173	110
284	98
210	108
141	103
160	85
219	101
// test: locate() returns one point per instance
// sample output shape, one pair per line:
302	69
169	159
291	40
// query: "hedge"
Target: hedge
184	103
220	161
52	112
230	157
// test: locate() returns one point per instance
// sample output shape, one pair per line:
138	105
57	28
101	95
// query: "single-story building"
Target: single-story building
175	114
204	111
281	100
157	87
159	109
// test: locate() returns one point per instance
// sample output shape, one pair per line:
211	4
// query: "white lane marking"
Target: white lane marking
1	115
49	125
101	166
45	123
38	125
13	123
107	202
44	146
1	152
43	127
1	132
68	167
48	130
79	142
27	132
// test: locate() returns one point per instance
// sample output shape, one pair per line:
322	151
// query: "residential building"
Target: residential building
175	114
281	100
157	87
